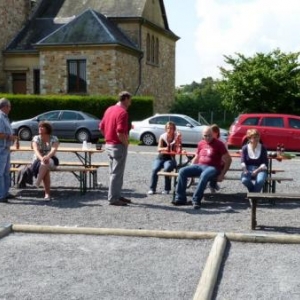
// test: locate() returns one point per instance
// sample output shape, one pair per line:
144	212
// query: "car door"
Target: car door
293	129
67	124
190	134
273	131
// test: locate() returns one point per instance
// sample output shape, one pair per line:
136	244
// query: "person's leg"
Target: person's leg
184	173
117	155
4	173
207	173
46	181
42	173
156	167
247	179
169	166
259	181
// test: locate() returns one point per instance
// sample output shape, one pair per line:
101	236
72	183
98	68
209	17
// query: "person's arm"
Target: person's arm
123	138
160	146
226	158
9	137
36	150
53	150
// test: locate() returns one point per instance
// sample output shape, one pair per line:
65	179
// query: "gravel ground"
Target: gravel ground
105	267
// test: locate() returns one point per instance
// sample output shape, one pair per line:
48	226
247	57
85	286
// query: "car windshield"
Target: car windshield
91	116
192	121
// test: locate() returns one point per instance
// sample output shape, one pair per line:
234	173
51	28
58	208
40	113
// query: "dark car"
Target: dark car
67	124
274	129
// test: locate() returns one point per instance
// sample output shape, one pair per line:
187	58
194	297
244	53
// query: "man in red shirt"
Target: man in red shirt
211	160
114	127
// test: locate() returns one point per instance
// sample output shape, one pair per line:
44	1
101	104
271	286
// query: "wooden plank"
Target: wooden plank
274	195
62	163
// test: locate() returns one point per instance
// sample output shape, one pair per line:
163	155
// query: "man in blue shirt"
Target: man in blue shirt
6	140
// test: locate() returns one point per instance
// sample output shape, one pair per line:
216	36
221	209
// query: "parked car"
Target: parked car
274	129
149	130
67	124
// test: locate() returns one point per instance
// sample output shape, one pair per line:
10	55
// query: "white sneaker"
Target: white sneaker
150	192
165	192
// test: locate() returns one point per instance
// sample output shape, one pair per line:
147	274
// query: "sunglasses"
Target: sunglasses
207	135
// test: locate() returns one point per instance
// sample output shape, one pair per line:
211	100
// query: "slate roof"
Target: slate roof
88	28
48	23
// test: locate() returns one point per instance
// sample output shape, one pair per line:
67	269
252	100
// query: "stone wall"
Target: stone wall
13	14
156	80
103	67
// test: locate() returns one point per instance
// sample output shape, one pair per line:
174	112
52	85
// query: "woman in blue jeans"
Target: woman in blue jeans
168	141
254	161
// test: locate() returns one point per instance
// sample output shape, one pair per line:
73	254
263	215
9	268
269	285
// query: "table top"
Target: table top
59	149
181	153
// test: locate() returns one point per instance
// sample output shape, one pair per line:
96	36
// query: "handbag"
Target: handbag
55	160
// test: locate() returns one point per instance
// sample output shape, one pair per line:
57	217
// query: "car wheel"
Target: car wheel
25	134
82	135
148	139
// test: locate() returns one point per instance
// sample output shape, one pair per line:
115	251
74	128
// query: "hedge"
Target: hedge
28	106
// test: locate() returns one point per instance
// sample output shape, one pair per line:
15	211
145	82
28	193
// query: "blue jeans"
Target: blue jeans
117	159
259	180
158	164
4	172
205	173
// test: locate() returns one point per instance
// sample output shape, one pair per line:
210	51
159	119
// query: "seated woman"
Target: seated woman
44	146
254	161
167	141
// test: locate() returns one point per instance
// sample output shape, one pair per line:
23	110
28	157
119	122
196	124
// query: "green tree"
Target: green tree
197	97
262	83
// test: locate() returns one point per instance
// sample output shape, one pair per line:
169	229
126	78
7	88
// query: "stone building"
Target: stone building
87	47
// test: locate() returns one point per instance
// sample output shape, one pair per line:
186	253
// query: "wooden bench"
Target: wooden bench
17	163
253	197
80	174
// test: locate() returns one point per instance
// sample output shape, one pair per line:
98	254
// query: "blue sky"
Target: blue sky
210	29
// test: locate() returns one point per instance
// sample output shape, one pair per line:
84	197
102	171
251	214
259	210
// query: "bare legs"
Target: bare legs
44	175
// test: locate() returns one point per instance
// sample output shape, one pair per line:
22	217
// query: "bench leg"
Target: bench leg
253	203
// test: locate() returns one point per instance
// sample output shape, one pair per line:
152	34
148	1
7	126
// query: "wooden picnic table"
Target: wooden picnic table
84	171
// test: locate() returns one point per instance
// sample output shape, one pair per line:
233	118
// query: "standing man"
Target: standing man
114	127
211	160
6	140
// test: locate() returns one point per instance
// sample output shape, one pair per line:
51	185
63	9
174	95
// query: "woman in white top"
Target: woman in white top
44	146
254	161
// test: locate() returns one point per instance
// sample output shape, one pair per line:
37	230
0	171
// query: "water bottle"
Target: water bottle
84	145
17	144
278	150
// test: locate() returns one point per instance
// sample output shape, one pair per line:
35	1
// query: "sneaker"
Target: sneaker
165	192
179	202
118	203
217	187
10	196
151	192
196	205
125	200
3	200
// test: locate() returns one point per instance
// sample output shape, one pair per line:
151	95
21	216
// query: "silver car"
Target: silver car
149	130
66	124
